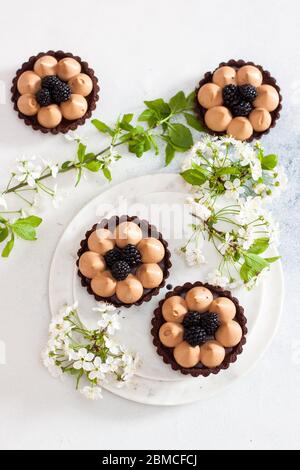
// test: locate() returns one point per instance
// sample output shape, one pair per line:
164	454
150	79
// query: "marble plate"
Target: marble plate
159	198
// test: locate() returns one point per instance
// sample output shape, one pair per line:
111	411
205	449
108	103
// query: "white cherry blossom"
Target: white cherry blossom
92	393
83	359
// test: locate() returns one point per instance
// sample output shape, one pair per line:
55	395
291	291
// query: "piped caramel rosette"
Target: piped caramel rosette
199	329
55	92
124	261
239	99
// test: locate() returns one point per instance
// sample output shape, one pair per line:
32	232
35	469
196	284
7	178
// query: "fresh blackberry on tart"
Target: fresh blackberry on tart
199	329
54	92
124	261
239	99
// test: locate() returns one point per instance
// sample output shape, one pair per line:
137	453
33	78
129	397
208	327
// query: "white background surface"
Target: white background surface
143	50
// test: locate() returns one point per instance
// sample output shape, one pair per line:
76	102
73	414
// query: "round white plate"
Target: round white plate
159	198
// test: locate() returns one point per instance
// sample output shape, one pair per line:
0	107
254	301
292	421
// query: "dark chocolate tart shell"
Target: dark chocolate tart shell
148	230
65	125
267	80
167	353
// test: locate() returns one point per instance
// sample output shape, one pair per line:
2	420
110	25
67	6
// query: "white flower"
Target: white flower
49	363
29	172
92	393
104	307
99	369
60	327
52	167
3	202
255	281
198	209
55	371
73	136
223	247
233	188
114	364
57	342
281	181
83	359
46	358
112	345
260	189
245	154
235	284
66	310
246	236
249	210
110	322
256	170
216	278
194	256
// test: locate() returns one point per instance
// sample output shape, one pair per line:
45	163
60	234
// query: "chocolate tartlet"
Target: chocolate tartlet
240	99
124	261
55	92
199	329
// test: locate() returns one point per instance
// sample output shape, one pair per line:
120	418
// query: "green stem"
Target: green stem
49	174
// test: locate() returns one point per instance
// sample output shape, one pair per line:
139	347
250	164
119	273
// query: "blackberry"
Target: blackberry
50	82
210	323
241	109
248	92
191	319
43	97
194	335
132	255
120	270
112	256
61	92
231	95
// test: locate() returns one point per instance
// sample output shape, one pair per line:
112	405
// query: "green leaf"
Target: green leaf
125	122
66	165
194	177
125	137
273	259
89	156
193	122
178	102
255	262
228	170
102	127
201	170
107	173
147	143
154	144
32	220
259	245
148	115
2	220
3	234
8	247
93	166
170	154
269	162
137	148
180	136
245	273
81	152
24	231
260	153
190	99
79	175
127	118
160	106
